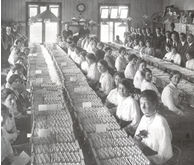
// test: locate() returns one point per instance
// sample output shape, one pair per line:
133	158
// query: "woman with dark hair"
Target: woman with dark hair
109	58
16	69
190	61
106	80
153	130
139	75
131	67
120	62
15	50
114	97
149	50
6	149
8	100
128	111
93	74
171	94
147	83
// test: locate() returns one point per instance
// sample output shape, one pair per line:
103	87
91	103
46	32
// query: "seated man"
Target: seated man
153	130
117	40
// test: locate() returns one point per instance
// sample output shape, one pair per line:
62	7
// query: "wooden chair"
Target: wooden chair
175	160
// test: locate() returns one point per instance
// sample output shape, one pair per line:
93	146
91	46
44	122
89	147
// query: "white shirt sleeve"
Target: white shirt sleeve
138	78
118	64
167	99
112	96
177	59
165	147
135	114
93	73
107	83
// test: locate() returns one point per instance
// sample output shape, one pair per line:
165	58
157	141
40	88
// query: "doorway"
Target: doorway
41	31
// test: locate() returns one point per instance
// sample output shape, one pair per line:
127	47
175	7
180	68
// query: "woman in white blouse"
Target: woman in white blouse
171	95
168	52
131	67
147	83
6	149
173	56
106	80
190	61
153	130
120	62
93	74
113	97
139	75
128	111
84	64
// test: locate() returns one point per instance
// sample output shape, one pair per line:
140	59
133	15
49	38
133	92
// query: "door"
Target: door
40	31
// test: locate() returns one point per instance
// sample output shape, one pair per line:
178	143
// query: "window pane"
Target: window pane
33	11
106	32
42	9
123	13
104	13
114	13
55	11
50	31
119	30
36	32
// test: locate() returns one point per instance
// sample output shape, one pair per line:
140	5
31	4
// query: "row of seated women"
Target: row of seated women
125	86
15	99
172	47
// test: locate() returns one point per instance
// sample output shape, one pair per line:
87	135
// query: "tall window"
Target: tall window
40	31
112	22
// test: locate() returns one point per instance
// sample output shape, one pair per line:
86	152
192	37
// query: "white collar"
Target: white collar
190	43
172	85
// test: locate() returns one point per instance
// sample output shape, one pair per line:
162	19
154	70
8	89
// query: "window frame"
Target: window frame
47	4
101	5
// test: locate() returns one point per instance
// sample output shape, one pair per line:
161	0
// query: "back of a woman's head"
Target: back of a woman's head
128	84
17	67
150	95
172	73
122	49
120	74
4	113
91	57
103	63
13	78
131	57
5	93
107	49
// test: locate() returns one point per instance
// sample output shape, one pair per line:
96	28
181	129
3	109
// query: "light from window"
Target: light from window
119	30
104	13
50	32
36	32
114	13
106	34
42	9
33	11
123	13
